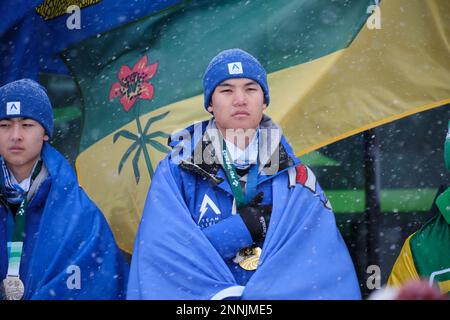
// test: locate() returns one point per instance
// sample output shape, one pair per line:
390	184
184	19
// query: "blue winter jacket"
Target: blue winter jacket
66	237
190	232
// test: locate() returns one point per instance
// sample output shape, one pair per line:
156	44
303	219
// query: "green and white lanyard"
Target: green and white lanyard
233	178
15	247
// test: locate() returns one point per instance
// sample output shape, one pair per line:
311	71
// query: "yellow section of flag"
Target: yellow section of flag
385	74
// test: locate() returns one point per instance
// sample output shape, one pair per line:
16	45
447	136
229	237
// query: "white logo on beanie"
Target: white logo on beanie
235	68
13	107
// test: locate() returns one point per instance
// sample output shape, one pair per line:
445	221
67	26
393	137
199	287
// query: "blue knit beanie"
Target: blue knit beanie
26	98
233	63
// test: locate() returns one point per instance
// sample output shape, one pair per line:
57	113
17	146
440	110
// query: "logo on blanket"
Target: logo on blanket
307	178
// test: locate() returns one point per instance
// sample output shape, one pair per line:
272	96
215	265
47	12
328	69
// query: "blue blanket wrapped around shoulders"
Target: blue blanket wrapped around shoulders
303	257
73	242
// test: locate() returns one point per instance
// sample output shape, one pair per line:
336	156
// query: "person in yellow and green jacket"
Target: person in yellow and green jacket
426	253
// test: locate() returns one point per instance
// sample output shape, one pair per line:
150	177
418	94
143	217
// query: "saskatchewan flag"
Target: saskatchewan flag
335	68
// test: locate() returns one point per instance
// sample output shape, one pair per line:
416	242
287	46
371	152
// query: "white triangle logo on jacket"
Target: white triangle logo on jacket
207	201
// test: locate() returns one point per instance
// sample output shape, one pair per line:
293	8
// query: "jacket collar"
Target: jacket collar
206	160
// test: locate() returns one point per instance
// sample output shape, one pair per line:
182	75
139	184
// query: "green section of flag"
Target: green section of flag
316	159
184	38
391	200
66	114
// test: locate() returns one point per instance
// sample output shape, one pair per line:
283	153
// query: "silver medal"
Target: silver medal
13	288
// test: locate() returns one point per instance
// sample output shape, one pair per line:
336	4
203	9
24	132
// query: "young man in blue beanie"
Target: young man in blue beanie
54	241
231	211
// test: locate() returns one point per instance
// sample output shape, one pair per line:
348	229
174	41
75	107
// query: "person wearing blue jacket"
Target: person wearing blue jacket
54	241
231	212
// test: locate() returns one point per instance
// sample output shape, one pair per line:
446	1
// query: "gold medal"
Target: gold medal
13	288
248	258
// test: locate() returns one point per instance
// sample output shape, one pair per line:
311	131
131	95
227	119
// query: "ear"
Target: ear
210	109
46	138
264	107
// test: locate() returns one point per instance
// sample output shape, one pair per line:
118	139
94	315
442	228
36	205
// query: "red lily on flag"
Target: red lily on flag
133	83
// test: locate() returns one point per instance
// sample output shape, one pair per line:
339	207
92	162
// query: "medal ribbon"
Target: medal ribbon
233	178
251	262
15	247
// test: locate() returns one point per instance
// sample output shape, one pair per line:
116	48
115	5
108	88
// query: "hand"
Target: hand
419	290
410	290
256	217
